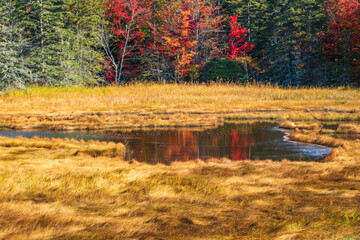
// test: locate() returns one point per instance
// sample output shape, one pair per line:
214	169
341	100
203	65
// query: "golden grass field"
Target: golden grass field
154	105
69	189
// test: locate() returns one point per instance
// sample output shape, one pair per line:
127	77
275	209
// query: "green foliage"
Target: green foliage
43	24
286	38
61	43
86	23
221	68
63	40
13	73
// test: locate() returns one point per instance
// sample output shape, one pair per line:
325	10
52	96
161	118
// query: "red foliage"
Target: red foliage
344	25
239	145
342	39
238	46
126	18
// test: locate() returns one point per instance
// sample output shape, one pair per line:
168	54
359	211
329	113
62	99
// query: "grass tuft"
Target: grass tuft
301	125
349	128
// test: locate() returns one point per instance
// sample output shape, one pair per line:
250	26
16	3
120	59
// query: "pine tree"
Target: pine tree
13	73
86	20
294	39
285	34
63	42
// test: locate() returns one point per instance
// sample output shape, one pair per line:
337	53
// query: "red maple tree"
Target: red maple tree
342	38
125	18
238	46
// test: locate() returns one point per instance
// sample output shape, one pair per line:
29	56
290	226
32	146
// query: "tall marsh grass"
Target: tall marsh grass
150	96
69	189
156	105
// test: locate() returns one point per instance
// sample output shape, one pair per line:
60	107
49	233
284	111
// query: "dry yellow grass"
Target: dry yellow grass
154	105
172	97
301	125
349	128
68	189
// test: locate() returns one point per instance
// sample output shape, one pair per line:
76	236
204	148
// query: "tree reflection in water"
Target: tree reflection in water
240	145
257	140
183	146
166	146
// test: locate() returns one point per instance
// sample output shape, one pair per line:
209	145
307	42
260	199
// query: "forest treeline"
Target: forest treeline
91	42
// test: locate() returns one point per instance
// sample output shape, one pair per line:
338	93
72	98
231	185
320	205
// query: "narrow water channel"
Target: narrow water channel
234	141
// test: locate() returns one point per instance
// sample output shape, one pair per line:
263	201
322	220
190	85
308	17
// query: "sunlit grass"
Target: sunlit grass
69	189
155	105
137	97
301	125
349	128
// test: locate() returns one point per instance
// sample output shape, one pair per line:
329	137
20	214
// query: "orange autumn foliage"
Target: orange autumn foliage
187	33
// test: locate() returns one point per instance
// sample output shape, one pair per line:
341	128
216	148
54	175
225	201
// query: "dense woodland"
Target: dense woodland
97	42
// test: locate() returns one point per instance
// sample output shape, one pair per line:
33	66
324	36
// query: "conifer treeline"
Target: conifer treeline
82	42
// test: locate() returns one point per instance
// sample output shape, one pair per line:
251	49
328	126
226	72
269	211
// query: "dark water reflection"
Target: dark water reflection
233	141
182	145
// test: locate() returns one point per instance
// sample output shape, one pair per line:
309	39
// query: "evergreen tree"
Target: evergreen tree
86	21
294	42
285	34
42	23
13	73
64	40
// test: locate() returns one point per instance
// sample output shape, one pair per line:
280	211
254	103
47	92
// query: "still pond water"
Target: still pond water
234	141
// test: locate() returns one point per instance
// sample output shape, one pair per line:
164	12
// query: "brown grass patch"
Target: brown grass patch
313	137
91	193
69	189
301	125
348	128
153	105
